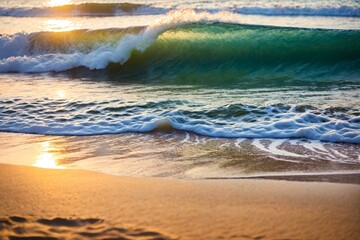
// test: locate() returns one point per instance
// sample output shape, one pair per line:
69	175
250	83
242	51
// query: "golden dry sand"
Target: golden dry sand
72	204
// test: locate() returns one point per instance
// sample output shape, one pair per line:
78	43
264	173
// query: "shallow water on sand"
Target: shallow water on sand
184	155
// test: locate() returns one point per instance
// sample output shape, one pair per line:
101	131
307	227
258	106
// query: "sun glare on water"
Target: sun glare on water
54	3
61	94
59	25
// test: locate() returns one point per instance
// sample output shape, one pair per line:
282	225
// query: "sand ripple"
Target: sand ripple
17	227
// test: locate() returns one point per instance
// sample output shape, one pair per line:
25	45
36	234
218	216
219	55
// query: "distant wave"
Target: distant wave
291	11
190	43
119	9
84	9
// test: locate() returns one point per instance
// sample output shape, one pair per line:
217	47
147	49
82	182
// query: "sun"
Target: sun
53	3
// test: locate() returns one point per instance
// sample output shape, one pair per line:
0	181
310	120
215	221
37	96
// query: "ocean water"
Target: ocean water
182	88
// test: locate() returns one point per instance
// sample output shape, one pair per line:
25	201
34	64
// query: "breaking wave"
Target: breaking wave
60	117
188	43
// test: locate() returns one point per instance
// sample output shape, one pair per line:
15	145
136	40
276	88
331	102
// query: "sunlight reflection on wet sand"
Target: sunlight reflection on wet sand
47	158
178	155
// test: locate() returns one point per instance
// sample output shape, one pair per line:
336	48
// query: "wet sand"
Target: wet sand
59	203
349	178
184	155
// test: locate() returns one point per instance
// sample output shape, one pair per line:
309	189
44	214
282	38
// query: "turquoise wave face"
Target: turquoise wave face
238	44
235	53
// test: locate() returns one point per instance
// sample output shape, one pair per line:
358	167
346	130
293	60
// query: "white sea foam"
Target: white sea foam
321	131
324	131
14	46
273	148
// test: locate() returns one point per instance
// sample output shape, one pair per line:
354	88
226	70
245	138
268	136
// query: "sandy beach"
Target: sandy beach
76	204
187	120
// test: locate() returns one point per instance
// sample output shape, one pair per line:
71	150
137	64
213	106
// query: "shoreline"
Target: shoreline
78	203
343	178
186	156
